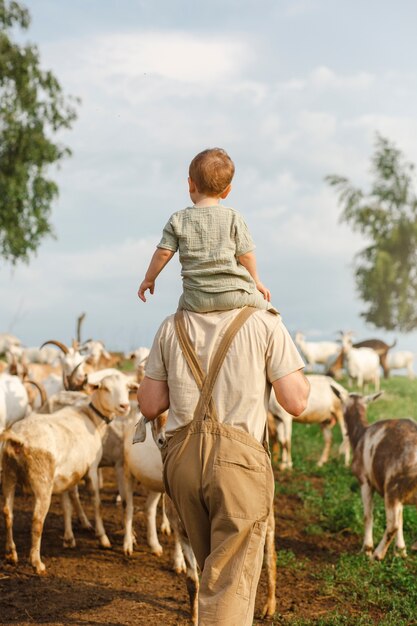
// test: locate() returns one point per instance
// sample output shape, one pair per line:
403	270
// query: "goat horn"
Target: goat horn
70	386
40	388
56	343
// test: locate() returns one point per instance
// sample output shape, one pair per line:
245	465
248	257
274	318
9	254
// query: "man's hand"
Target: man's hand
144	286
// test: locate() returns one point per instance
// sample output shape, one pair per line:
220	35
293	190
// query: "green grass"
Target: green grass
287	559
389	585
330	504
331	619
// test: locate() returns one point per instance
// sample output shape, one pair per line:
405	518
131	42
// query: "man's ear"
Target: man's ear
226	192
191	185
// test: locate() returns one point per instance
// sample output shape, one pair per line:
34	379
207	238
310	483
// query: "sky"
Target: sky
294	90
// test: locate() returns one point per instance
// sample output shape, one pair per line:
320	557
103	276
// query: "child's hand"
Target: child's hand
144	286
264	291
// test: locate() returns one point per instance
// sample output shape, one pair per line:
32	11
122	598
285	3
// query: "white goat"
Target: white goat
73	376
43	355
7	341
316	351
362	364
401	360
14	402
113	440
138	356
51	454
143	463
384	460
94	351
322	408
94	377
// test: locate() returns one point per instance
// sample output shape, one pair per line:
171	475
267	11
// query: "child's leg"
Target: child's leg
205	302
257	300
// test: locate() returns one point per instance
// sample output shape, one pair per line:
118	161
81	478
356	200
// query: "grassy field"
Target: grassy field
361	592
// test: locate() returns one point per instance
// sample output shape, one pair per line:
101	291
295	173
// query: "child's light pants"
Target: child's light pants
221	481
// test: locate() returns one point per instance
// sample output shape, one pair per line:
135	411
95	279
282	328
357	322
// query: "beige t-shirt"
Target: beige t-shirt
261	352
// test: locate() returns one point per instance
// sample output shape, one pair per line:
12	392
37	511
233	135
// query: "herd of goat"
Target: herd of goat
65	412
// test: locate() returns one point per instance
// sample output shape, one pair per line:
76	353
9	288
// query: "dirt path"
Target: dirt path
88	585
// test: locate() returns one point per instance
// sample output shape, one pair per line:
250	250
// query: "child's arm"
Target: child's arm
248	260
160	258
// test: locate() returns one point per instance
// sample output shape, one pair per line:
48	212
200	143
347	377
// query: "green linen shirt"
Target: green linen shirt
209	240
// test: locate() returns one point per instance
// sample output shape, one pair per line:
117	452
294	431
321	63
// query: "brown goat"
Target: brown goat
384	460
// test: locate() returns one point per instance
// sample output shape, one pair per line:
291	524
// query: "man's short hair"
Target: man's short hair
212	171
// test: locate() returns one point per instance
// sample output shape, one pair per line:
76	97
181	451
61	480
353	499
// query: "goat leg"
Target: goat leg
392	512
270	560
367	501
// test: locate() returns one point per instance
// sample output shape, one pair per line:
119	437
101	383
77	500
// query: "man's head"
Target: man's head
211	171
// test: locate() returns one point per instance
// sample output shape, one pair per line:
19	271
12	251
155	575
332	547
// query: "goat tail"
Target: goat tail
393	344
340	388
14	444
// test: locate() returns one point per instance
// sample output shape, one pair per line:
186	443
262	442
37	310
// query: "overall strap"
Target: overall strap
234	327
190	356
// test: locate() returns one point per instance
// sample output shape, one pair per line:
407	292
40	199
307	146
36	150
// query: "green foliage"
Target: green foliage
32	110
386	270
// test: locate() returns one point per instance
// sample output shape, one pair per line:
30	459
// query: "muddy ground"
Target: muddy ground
89	585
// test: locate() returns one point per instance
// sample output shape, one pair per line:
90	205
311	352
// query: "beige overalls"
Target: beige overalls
221	481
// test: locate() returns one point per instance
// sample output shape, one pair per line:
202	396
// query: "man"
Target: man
214	371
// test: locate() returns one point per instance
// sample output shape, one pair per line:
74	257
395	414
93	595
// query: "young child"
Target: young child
215	246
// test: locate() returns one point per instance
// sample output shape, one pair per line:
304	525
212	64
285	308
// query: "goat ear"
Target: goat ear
132	386
372	397
139	435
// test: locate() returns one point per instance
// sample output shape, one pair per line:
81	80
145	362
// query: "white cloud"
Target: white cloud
324	77
318	124
299	8
122	259
174	56
402	130
271	212
312	230
45	282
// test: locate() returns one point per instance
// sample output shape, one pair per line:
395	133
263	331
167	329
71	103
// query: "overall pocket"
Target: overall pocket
239	487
